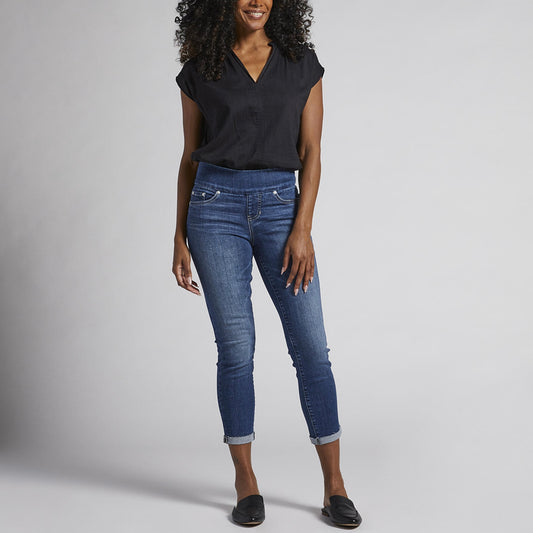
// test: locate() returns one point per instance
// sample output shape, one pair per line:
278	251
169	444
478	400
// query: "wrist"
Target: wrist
302	225
180	238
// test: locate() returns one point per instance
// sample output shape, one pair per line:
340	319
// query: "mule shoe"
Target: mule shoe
342	511
249	510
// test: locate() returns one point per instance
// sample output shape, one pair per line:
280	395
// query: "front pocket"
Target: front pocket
203	195
286	196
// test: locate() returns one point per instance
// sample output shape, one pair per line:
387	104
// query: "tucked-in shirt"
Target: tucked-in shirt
252	124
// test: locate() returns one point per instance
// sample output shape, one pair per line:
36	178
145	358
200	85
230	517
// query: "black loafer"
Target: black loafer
342	511
249	511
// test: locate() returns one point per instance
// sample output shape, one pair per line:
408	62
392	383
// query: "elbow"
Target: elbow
188	163
309	151
186	157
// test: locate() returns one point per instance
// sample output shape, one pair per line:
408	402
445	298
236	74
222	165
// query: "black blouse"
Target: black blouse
248	124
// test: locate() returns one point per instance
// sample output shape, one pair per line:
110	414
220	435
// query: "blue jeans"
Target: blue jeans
235	215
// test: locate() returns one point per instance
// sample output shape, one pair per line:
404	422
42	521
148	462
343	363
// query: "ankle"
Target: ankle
244	474
334	483
246	487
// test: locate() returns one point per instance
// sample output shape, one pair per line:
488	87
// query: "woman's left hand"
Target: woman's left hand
300	249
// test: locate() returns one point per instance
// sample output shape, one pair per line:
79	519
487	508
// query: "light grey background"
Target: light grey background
422	229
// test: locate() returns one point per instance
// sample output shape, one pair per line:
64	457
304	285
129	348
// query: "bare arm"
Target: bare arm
192	131
299	245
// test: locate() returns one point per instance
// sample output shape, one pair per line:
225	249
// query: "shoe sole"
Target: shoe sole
352	526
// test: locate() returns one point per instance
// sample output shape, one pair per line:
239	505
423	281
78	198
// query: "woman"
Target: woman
251	94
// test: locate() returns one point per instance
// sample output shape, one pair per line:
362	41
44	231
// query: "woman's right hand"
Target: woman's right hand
182	267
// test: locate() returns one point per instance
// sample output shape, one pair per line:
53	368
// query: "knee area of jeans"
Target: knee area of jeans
235	352
313	358
238	344
233	364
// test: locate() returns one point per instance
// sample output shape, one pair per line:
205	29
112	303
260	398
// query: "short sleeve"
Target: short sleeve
314	70
186	80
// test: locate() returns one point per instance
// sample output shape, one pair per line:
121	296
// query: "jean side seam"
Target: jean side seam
309	410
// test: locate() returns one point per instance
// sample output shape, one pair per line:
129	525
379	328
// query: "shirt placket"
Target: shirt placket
256	112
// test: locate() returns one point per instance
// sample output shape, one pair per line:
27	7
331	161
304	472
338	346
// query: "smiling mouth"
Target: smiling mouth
255	14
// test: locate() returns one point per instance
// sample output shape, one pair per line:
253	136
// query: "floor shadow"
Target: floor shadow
124	478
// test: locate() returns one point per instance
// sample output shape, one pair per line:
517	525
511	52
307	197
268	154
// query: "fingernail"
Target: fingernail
310	279
288	284
305	288
296	292
282	270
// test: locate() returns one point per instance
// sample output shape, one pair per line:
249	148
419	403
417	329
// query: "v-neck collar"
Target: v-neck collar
273	45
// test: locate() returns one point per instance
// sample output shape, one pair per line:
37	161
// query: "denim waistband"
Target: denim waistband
243	180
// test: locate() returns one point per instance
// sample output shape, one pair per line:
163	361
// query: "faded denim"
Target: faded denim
233	217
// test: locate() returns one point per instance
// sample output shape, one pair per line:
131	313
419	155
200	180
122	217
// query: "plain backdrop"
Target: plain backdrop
422	229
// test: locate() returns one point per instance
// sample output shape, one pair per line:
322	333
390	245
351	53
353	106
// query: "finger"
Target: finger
307	276
312	268
193	288
187	273
184	278
190	284
286	257
178	272
293	272
299	277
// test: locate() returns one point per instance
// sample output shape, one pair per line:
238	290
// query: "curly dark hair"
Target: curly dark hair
206	31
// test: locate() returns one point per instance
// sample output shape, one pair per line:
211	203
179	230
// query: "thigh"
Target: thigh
222	255
301	314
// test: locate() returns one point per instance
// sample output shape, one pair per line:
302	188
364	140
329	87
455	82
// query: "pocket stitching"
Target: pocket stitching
202	202
284	200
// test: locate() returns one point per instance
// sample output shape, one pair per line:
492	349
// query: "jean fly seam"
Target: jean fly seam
251	219
259	198
297	355
250	230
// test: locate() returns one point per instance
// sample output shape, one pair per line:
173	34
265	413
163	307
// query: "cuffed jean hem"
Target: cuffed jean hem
327	438
240	440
